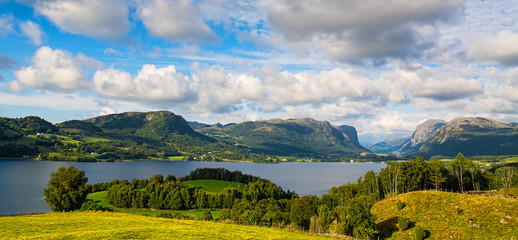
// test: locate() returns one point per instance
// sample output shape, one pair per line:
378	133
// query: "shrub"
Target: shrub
403	223
419	233
90	205
400	205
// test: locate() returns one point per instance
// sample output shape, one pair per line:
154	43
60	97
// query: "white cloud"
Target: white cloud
502	48
93	18
33	31
56	70
285	88
151	85
176	21
438	83
220	91
6	23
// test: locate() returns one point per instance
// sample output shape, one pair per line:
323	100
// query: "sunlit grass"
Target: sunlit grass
215	186
450	215
102	225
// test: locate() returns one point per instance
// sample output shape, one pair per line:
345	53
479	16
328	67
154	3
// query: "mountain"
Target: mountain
159	125
468	135
293	137
389	146
473	136
404	146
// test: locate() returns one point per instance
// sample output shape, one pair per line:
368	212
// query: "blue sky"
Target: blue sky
381	66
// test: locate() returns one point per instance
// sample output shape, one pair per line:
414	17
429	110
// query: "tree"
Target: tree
66	189
458	167
505	175
302	209
437	168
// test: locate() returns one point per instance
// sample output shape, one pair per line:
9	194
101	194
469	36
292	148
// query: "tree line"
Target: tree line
343	210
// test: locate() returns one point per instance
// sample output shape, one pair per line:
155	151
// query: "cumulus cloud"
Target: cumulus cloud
151	85
33	31
502	48
435	83
55	70
356	31
220	91
6	23
176	21
93	18
285	88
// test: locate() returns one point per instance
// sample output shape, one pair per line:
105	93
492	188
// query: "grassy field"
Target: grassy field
449	216
101	198
102	225
215	186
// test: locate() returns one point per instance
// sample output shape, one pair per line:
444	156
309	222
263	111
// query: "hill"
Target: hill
293	137
449	216
470	135
103	225
153	125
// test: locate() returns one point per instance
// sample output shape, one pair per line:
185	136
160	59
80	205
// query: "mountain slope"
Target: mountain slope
404	146
468	135
293	137
473	136
153	125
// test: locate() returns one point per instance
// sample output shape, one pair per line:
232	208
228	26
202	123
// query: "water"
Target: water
22	181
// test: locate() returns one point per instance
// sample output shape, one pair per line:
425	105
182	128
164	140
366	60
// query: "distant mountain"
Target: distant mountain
293	137
473	136
393	146
468	135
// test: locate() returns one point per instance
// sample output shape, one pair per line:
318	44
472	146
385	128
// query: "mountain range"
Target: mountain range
165	135
469	135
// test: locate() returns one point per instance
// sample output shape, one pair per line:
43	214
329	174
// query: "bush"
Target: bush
400	205
419	233
90	205
403	223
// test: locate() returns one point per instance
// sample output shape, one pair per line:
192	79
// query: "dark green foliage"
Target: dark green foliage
356	219
29	125
66	189
403	223
400	205
90	205
419	233
206	216
302	209
220	174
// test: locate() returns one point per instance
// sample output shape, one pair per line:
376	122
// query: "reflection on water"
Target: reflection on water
22	181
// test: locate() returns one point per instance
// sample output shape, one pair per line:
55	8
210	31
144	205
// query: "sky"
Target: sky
382	66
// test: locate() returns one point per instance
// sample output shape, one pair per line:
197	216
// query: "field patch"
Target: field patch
215	186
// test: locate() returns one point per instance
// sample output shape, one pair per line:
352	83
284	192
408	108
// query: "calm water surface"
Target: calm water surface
22	181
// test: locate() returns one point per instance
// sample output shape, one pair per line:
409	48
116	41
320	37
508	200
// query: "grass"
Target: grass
103	225
449	216
215	186
175	158
100	197
94	139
